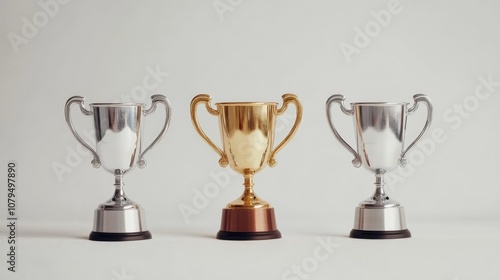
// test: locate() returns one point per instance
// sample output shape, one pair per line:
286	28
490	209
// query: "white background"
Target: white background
253	51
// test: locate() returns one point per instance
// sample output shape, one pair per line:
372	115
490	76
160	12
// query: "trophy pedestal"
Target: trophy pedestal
248	224
119	221
379	222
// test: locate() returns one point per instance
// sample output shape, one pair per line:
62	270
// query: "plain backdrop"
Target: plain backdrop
251	51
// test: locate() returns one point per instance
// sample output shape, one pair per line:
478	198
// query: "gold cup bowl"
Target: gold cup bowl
247	132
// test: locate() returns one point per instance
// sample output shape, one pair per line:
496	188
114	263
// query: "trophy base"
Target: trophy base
119	236
248	224
119	221
379	234
380	222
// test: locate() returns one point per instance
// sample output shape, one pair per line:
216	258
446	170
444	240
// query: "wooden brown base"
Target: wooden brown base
248	224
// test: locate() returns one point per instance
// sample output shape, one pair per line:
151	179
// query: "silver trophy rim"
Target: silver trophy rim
379	103
117	104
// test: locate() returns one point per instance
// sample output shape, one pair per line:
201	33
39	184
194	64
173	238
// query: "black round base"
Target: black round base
380	234
258	235
119	236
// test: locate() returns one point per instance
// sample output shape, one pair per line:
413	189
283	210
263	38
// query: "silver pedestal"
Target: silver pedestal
379	217
389	218
119	221
382	221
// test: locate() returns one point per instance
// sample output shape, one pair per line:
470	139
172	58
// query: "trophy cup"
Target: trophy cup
247	132
380	136
118	145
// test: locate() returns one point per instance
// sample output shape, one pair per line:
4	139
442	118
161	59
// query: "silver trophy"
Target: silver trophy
118	147
380	137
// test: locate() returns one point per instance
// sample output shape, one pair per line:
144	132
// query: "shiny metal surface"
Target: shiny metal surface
247	133
380	129
379	134
391	218
125	219
118	129
118	132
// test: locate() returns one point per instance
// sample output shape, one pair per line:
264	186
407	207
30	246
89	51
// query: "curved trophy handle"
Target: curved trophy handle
80	100
205	98
339	98
287	99
155	100
418	98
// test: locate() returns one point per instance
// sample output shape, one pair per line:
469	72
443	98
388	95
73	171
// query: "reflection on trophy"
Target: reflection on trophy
380	136
247	132
118	146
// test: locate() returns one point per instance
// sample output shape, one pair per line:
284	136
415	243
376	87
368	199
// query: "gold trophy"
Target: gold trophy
247	133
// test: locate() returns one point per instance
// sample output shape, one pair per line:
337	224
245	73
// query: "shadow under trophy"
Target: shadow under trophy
118	129
247	132
380	136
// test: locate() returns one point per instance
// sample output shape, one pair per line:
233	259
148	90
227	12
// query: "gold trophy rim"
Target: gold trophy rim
246	103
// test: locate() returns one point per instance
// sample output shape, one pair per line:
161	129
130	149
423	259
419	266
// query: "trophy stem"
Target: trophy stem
248	199
379	194
119	195
248	194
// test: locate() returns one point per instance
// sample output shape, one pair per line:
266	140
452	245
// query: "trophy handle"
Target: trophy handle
155	100
67	109
339	98
287	99
418	98
205	98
